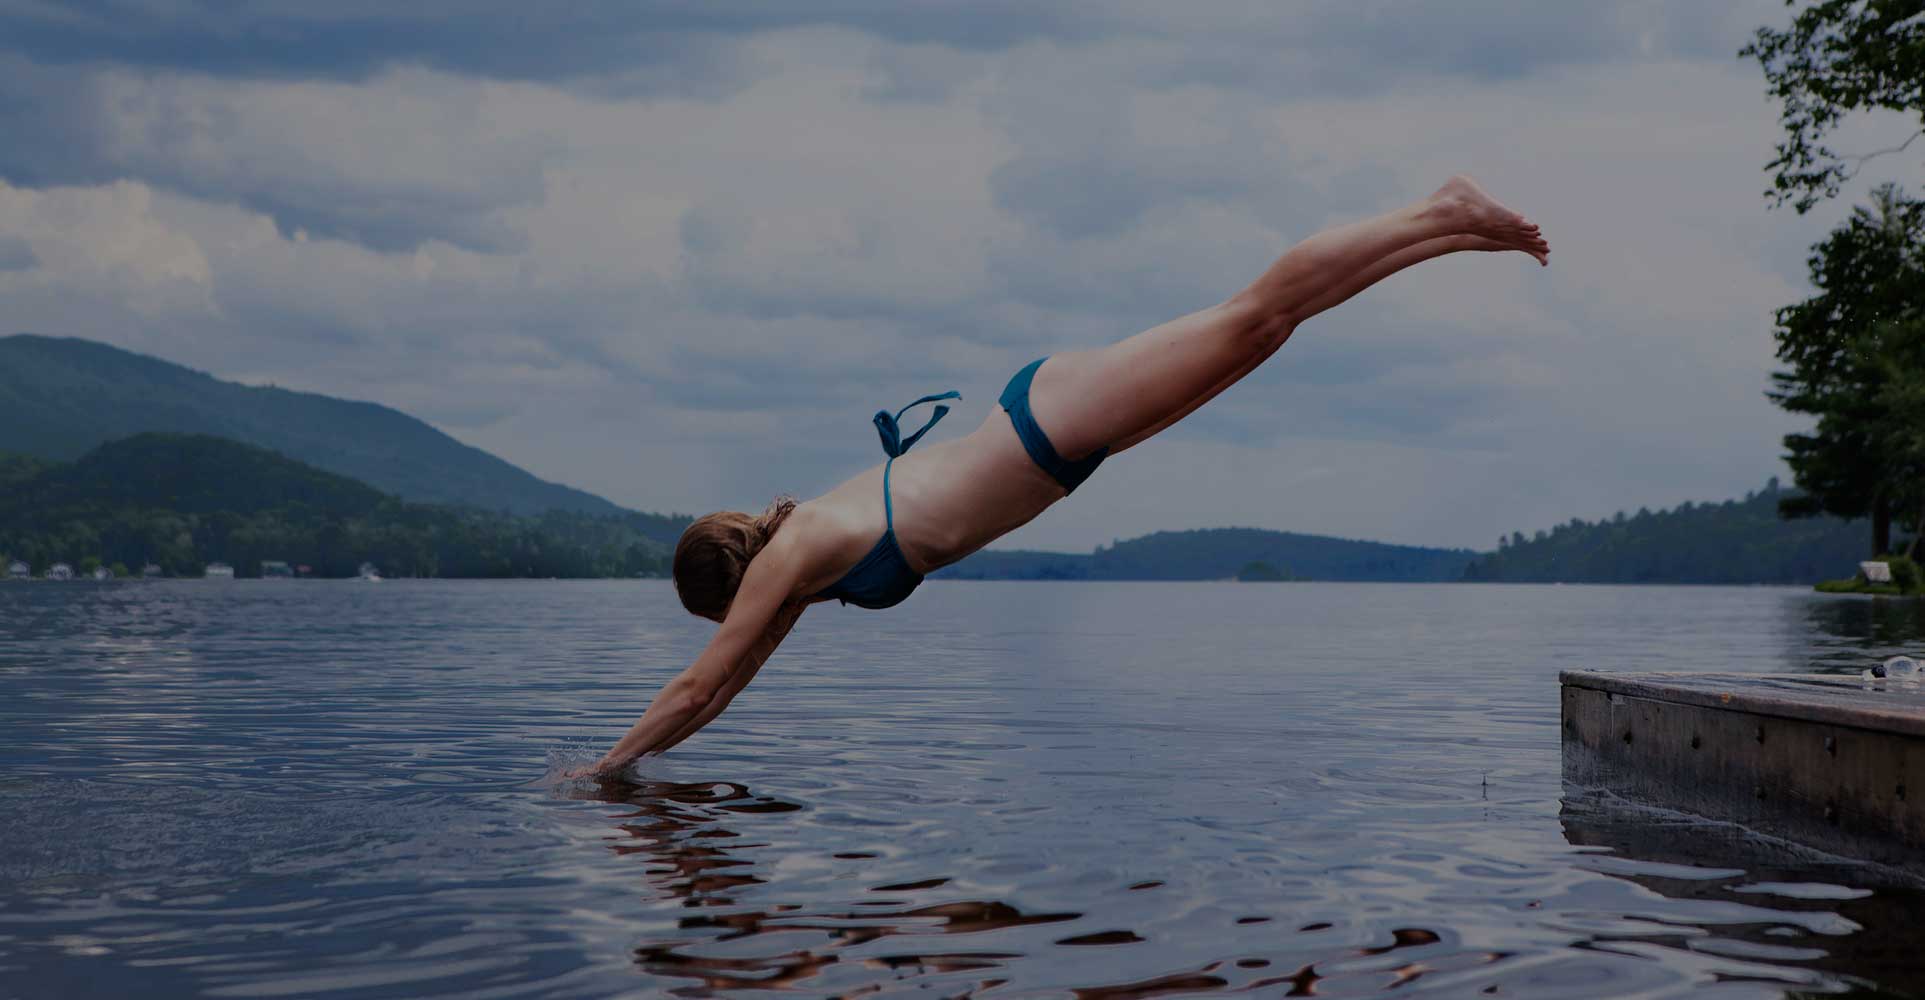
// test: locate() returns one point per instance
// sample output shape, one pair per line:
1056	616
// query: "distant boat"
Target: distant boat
60	571
17	570
103	573
219	571
274	569
369	573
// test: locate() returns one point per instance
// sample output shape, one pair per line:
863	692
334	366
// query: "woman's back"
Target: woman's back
948	500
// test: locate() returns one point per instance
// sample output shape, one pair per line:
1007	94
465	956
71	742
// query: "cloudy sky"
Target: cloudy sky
677	253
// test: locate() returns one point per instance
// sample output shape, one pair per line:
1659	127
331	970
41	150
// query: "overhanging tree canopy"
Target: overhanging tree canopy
1839	58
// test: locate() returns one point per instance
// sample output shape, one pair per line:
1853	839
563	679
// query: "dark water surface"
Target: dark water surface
259	789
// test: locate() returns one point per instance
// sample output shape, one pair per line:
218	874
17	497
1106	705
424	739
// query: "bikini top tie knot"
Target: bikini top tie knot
890	429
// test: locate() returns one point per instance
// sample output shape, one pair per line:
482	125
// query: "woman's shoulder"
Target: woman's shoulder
822	538
810	539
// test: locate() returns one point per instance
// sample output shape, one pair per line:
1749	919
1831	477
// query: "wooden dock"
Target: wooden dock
1834	762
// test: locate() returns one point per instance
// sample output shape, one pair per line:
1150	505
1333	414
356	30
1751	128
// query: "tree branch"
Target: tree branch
1858	162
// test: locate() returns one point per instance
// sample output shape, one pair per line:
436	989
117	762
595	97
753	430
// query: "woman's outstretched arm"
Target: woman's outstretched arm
758	603
778	630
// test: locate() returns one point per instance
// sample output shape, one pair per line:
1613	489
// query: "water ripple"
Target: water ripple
1076	790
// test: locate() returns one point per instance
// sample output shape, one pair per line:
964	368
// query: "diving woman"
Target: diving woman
870	540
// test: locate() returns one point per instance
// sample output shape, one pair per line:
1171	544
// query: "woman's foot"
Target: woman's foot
1473	212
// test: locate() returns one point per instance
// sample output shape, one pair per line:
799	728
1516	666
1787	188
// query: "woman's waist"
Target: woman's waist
955	499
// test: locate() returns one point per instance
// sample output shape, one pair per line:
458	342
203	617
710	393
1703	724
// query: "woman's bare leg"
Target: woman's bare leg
1337	295
1116	395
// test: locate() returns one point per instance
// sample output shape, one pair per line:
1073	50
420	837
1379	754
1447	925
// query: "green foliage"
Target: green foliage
1853	351
190	474
1855	359
1261	572
60	398
1221	554
16	469
1906	579
1897	426
1217	553
1733	542
1838	58
182	501
1856	585
1905	574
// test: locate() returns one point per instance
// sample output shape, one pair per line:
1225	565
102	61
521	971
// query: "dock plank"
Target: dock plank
1890	705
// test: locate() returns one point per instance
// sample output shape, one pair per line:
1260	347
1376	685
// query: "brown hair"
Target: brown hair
716	550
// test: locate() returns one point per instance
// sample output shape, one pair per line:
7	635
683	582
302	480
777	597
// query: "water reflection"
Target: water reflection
1844	635
1759	910
697	859
680	828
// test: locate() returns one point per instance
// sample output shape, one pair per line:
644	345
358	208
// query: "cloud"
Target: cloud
16	254
685	277
409	158
1338	42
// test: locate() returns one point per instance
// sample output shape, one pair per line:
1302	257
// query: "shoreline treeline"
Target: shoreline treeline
1734	542
181	501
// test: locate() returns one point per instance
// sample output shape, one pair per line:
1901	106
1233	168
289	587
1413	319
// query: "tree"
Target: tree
1839	58
1842	348
1898	351
1261	572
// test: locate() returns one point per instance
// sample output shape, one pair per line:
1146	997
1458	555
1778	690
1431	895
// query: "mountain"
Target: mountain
1222	554
1737	541
180	501
60	397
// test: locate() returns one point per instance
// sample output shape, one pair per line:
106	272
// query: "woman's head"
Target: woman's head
716	550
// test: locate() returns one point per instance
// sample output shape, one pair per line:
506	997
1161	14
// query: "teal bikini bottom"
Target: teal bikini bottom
1015	401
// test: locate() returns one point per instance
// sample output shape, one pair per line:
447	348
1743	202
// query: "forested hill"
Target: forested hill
60	397
1222	554
184	474
180	501
1737	541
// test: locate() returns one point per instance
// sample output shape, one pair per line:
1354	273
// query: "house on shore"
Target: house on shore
218	571
17	570
103	573
60	571
150	572
274	569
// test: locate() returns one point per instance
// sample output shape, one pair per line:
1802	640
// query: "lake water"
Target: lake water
270	789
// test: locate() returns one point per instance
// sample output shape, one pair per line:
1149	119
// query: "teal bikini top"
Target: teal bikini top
882	579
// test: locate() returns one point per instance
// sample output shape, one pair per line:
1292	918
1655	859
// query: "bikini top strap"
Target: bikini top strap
891	431
894	444
888	506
